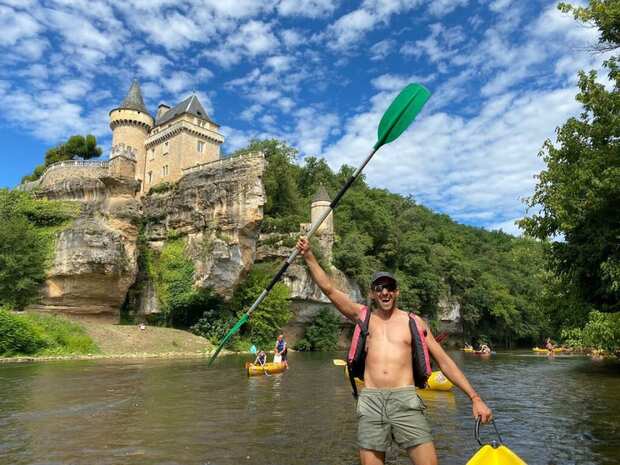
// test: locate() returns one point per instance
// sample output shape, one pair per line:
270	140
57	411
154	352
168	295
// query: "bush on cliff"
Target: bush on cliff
322	334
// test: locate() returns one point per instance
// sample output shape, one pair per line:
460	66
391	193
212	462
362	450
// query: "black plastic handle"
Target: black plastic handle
477	433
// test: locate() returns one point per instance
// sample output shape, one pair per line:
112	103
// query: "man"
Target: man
281	349
389	407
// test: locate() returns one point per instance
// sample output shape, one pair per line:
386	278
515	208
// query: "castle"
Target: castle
161	149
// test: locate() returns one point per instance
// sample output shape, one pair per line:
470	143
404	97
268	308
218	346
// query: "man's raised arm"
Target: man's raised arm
341	300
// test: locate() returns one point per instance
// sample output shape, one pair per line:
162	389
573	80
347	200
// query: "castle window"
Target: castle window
165	152
165	170
150	177
152	154
200	146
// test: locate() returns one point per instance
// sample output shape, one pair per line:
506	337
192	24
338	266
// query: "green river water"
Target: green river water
561	410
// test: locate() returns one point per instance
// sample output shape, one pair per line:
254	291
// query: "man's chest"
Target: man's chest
393	331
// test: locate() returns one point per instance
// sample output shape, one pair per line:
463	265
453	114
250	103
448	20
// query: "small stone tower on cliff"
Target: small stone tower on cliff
131	124
325	233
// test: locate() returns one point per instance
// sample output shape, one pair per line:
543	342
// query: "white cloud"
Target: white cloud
382	49
443	7
152	65
16	26
308	8
255	38
291	38
476	168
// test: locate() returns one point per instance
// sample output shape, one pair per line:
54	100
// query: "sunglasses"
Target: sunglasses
378	288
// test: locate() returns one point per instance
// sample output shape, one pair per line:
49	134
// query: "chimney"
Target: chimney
161	110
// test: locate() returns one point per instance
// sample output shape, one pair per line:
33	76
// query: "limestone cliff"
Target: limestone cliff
218	209
95	259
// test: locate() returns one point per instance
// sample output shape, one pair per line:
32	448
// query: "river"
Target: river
550	411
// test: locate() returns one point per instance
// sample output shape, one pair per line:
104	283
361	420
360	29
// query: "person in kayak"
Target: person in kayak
485	349
388	407
261	358
281	349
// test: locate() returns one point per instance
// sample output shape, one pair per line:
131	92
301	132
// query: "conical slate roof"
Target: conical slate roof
190	105
321	195
134	100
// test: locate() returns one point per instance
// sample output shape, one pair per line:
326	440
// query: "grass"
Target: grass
61	336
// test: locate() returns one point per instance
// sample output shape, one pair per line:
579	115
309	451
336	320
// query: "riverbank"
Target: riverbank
116	341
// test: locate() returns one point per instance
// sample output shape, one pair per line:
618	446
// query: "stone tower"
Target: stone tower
325	233
123	161
131	124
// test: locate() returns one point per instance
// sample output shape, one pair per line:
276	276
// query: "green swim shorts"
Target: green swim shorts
391	414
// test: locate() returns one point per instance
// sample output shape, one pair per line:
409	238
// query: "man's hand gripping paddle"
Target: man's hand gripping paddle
399	115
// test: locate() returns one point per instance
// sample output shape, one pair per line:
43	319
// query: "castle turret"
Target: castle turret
325	234
131	124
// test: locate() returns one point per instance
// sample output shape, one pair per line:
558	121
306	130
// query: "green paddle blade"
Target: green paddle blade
232	331
401	113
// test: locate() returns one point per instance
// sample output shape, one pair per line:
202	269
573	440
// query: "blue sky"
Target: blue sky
317	74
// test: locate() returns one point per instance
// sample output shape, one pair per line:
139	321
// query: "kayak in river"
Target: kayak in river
468	349
545	351
267	368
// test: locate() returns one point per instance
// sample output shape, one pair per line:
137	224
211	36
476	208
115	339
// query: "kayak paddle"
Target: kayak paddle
399	115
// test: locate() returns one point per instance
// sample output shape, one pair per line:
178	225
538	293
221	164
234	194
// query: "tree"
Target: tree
22	262
604	14
579	193
75	147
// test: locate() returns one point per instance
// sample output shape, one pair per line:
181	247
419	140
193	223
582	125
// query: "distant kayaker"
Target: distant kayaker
388	407
261	358
550	346
485	349
281	349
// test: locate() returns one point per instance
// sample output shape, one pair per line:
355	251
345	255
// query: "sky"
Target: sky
316	74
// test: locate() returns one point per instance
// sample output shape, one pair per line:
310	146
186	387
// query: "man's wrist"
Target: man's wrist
474	397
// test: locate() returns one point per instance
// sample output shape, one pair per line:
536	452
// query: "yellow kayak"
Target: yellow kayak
267	368
436	382
467	349
546	351
501	455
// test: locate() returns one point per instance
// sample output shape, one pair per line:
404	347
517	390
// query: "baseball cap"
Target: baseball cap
382	274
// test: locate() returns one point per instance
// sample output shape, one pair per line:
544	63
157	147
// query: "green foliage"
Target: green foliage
27	231
496	277
284	208
75	147
34	334
577	195
172	271
61	336
214	324
161	188
18	336
602	332
322	334
604	14
273	312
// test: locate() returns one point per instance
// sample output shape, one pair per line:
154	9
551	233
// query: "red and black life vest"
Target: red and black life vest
420	360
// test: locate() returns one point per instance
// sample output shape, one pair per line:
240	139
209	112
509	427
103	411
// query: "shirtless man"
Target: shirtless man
388	406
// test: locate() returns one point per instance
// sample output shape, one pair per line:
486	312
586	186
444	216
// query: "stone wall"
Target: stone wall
61	171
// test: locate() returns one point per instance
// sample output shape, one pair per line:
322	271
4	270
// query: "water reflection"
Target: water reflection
551	411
